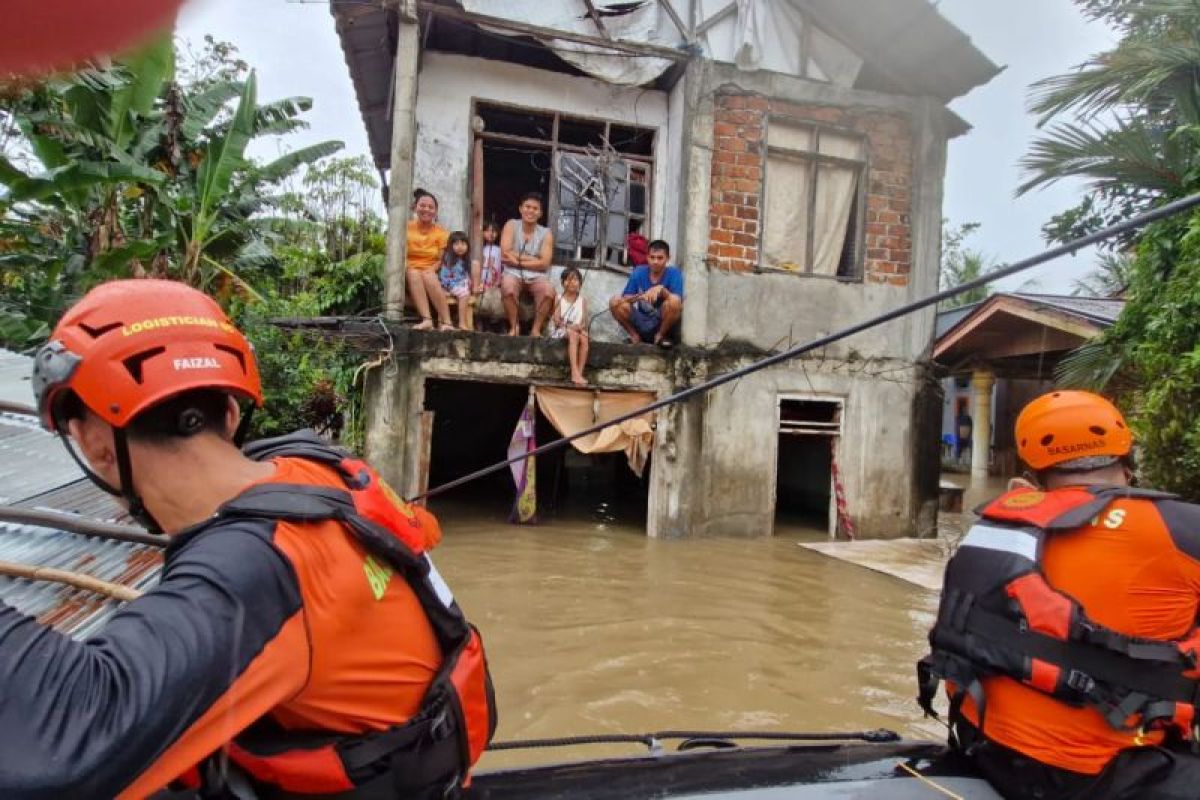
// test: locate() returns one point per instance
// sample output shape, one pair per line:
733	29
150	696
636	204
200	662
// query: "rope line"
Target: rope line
650	740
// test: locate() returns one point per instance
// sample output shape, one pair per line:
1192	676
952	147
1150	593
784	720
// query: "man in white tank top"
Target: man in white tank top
527	250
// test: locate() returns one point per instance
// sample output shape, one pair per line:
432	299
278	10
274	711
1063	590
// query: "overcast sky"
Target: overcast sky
295	50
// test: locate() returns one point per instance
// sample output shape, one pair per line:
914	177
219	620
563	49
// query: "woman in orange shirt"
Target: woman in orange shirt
426	241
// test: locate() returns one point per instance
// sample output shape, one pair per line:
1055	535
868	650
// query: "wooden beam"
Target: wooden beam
540	32
595	15
716	18
684	31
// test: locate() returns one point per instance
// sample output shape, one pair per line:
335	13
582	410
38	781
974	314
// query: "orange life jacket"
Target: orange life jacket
1000	616
456	719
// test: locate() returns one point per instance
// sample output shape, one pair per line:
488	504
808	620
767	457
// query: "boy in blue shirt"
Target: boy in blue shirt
652	302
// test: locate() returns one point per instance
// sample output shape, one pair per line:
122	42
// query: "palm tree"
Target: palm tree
1136	108
1110	278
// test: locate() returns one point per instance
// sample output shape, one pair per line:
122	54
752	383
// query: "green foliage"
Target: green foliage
1135	137
960	264
1127	120
138	169
136	173
308	382
1112	275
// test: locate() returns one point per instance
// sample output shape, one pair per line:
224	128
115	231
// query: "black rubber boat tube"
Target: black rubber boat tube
1131	224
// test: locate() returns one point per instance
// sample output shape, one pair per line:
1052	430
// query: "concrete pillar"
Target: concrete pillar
982	381
404	137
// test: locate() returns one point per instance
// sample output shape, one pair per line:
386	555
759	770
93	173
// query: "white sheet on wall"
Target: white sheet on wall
769	35
642	25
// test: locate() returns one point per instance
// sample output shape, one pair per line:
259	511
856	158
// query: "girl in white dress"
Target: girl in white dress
570	323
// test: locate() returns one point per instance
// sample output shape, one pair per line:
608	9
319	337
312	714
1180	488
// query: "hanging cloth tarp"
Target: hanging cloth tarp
524	440
572	410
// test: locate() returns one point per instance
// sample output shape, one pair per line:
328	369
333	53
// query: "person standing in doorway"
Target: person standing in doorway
652	303
426	241
527	250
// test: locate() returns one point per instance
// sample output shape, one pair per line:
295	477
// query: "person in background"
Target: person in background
964	425
570	323
652	303
526	249
491	265
1067	630
426	240
456	277
636	244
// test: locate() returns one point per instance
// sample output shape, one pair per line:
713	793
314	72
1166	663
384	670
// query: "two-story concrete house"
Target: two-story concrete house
791	151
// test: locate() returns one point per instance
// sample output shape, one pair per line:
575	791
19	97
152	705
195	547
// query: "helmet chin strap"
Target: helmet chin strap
137	509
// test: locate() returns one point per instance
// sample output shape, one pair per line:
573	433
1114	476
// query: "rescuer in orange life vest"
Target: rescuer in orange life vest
1066	632
300	642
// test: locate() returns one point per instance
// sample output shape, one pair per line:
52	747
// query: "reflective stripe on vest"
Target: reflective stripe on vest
999	616
1006	540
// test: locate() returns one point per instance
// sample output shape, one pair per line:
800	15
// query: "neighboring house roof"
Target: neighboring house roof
909	48
1010	326
1103	310
948	319
36	473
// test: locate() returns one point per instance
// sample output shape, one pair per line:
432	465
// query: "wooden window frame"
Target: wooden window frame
814	160
554	147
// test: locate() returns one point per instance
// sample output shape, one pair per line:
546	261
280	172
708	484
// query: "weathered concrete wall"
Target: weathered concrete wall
741	445
448	83
876	373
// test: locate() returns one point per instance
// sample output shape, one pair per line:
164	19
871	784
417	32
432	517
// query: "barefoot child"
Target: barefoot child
455	275
570	323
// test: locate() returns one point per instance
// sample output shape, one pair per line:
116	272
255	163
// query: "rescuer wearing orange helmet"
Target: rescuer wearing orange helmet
300	642
1066	632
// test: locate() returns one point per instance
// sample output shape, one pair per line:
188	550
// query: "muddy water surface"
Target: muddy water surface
595	628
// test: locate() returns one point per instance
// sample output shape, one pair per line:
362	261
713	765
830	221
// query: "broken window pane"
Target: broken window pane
633	141
580	132
515	122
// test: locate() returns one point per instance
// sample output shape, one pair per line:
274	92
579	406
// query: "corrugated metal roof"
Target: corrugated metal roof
76	612
32	462
14	378
36	472
81	498
1097	309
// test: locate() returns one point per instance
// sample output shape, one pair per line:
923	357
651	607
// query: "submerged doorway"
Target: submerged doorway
471	424
804	472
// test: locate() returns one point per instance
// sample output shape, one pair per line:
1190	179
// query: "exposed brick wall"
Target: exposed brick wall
739	156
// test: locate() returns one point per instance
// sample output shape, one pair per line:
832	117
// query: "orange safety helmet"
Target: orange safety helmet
129	344
1068	426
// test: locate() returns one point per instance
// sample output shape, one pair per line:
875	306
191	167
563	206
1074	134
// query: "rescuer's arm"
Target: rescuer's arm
168	680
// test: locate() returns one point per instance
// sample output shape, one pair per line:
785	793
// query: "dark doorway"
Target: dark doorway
473	423
804	466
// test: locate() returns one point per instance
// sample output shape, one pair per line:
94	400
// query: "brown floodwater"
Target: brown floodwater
595	628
